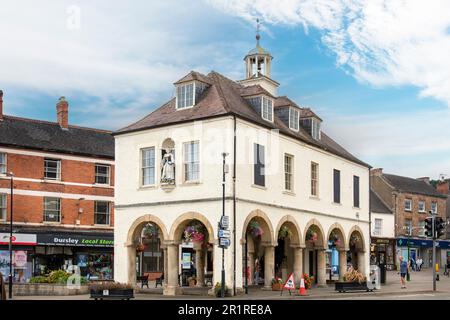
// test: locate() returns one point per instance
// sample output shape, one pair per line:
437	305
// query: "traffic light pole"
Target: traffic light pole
433	219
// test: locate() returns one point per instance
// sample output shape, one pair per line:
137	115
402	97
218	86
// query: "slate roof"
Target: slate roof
224	97
193	75
49	136
411	185
377	205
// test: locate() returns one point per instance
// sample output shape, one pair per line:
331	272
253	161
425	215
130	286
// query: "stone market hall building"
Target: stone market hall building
63	193
297	201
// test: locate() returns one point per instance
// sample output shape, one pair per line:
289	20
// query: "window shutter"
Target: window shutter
259	162
356	191
337	186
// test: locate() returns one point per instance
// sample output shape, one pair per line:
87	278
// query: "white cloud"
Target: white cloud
114	51
382	42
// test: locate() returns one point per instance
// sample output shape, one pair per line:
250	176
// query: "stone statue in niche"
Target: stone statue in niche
168	167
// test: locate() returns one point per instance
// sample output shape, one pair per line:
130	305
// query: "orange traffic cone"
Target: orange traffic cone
302	290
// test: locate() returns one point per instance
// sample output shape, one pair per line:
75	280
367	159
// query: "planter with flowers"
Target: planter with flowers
277	284
353	280
255	229
308	281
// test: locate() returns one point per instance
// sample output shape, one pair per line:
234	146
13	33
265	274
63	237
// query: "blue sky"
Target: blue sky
379	80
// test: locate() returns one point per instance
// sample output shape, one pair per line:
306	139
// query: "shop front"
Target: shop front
92	253
22	256
382	253
423	248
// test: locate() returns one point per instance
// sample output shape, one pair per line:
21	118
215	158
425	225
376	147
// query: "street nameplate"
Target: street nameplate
225	222
224	233
224	242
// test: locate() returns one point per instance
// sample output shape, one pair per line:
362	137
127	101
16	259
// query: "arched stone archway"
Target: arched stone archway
201	236
315	246
134	239
258	231
289	249
357	252
338	248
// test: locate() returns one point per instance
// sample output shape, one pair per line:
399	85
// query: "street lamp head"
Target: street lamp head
10	174
224	154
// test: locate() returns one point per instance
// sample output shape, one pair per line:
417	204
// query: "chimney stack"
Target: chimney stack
1	105
62	112
425	179
376	172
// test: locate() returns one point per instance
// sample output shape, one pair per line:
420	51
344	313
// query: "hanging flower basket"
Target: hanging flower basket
140	248
334	240
150	230
354	239
311	236
255	229
195	233
284	233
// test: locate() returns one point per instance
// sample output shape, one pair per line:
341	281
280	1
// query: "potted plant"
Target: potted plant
255	229
353	280
308	281
277	284
111	290
218	290
284	233
192	281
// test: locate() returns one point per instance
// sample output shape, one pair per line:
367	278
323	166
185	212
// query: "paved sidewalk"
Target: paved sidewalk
421	283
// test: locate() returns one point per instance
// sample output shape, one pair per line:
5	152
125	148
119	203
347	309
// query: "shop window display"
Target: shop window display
22	265
95	266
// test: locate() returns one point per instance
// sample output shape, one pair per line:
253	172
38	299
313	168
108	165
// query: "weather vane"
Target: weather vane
257	31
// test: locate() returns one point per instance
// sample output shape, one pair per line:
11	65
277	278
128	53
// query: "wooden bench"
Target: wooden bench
158	277
143	280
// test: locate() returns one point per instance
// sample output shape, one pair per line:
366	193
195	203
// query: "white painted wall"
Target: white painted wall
388	225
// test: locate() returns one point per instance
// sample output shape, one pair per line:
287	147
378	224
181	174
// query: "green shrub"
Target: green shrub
218	290
39	279
58	277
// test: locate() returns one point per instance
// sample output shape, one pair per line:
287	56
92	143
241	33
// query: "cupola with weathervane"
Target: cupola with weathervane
258	67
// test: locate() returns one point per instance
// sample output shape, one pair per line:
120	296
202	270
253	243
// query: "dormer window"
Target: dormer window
267	109
315	129
185	95
294	115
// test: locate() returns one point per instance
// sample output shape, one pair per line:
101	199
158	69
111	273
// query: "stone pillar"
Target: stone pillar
298	263
251	267
269	268
131	249
199	266
342	263
172	262
321	268
166	265
361	256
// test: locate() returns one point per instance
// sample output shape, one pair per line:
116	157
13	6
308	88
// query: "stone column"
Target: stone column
131	250
251	265
342	263
298	263
269	268
321	268
199	267
172	262
361	256
166	265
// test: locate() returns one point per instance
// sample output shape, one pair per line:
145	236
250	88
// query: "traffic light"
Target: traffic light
429	227
440	227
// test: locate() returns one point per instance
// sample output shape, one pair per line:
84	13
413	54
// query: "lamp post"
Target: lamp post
10	278
222	287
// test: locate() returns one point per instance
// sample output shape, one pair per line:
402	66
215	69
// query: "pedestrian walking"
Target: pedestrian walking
403	272
2	288
419	264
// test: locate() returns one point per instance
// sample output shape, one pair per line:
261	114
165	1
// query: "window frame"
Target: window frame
295	119
316	179
108	174
421	229
58	210
411	205
107	214
263	99
336	186
356	192
184	95
424	206
315	129
143	168
58	169
378	231
3	206
289	174
410	226
3	165
192	162
435	205
258	165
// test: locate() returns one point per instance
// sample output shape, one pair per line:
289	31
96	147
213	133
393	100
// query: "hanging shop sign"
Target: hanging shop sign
76	240
18	239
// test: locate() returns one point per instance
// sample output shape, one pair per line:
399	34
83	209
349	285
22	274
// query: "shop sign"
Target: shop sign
74	240
186	259
18	239
402	242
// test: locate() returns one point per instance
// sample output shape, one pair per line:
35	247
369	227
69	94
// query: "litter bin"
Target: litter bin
382	273
374	278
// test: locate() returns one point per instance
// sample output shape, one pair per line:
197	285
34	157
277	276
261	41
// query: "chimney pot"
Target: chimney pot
62	112
1	105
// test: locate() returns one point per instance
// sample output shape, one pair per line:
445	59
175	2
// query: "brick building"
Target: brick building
443	187
63	192
411	200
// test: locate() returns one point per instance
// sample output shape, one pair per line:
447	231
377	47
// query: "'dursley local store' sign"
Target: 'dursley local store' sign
74	240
